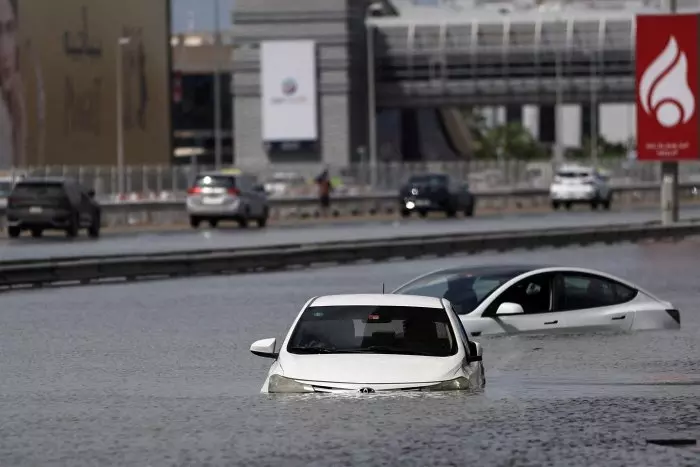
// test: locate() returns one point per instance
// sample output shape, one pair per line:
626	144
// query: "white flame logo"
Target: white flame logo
664	91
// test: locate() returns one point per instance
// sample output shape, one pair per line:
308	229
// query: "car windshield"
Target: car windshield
432	180
374	329
464	290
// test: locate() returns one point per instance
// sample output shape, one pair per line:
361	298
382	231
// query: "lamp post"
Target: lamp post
669	175
121	43
217	90
371	96
559	110
594	107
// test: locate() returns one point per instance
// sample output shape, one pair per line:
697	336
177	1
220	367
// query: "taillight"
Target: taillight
234	191
194	191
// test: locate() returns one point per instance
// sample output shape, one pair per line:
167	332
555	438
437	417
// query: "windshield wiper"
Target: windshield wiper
385	349
311	350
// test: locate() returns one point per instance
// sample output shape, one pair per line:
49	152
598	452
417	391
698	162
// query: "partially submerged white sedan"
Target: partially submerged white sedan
370	343
530	299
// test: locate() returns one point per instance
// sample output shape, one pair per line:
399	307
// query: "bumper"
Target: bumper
573	196
228	210
47	220
422	204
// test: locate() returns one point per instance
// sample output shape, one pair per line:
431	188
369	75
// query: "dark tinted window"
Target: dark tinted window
464	291
374	329
533	293
215	181
39	190
581	291
432	180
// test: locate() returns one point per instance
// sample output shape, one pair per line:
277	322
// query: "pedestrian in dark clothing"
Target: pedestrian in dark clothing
324	191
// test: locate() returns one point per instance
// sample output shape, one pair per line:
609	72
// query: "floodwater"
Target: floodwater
159	373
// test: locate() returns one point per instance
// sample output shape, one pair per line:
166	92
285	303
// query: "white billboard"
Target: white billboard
288	91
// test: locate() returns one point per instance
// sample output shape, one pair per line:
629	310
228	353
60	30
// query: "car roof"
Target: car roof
479	270
37	180
378	299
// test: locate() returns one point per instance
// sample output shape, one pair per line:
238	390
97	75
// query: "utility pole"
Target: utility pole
217	89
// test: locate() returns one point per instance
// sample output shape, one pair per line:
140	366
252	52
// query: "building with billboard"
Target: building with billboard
61	62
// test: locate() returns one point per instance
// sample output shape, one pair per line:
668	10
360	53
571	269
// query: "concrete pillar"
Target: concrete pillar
587	123
547	124
514	114
410	136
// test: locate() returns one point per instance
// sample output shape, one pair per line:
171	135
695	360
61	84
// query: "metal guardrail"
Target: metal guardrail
190	263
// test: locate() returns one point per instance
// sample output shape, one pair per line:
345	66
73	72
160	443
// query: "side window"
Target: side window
533	293
580	291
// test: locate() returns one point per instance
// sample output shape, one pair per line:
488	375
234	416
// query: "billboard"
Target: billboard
58	65
667	87
288	91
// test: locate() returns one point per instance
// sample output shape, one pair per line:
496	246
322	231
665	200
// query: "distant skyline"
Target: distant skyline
201	13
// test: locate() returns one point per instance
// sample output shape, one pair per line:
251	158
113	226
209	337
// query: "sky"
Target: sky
201	13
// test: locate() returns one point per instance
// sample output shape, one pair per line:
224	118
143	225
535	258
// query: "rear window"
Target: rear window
434	180
574	174
38	190
215	181
374	329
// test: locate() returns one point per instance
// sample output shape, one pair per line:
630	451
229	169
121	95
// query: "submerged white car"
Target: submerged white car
529	299
370	343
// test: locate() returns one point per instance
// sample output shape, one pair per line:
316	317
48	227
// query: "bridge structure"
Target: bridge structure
402	55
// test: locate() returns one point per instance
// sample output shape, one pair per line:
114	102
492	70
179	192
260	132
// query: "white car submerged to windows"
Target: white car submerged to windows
371	343
530	299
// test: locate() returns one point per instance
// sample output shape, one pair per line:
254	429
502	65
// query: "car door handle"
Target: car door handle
617	318
551	322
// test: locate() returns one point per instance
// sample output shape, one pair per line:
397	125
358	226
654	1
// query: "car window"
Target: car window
39	190
5	188
431	180
581	291
215	181
533	293
374	329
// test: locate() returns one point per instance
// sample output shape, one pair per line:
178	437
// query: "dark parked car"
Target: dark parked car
435	192
53	203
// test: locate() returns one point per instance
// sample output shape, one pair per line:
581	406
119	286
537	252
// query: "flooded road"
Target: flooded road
159	373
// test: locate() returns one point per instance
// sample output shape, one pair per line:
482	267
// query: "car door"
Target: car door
535	294
589	303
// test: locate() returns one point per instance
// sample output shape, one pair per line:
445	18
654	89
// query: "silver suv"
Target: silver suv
227	195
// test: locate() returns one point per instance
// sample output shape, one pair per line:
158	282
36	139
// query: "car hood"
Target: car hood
371	368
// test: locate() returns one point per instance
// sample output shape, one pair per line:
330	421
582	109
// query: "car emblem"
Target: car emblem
366	390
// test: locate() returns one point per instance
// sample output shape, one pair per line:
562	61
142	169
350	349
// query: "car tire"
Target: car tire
37	233
14	231
555	205
423	213
469	212
72	230
606	203
262	221
405	213
94	229
194	222
213	223
568	205
594	205
450	212
243	220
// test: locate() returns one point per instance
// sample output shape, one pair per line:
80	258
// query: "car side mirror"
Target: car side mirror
265	348
91	193
475	352
508	308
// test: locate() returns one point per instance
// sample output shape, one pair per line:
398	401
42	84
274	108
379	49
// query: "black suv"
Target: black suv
435	192
58	203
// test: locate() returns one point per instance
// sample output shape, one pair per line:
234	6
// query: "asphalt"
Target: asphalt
155	241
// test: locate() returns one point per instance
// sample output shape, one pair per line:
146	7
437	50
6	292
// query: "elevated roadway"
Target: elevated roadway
48	247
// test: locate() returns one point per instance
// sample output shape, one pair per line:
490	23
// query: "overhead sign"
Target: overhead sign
667	87
288	91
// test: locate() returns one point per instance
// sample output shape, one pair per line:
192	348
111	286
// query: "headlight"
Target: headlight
456	384
281	384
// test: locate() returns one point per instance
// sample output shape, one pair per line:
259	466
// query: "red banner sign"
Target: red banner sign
667	87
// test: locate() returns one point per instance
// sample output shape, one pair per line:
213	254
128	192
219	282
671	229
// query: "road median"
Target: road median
77	270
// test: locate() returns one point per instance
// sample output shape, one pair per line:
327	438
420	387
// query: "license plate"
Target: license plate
422	202
35	210
211	200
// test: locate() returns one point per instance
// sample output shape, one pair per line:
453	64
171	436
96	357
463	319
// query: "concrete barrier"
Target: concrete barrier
32	273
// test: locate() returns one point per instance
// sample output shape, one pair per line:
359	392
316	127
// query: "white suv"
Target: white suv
577	184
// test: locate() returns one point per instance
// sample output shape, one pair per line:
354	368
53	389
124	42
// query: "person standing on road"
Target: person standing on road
324	191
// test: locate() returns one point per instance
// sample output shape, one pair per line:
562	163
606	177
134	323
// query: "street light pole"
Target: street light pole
371	103
558	123
669	175
594	109
217	89
121	42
